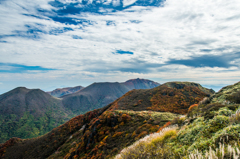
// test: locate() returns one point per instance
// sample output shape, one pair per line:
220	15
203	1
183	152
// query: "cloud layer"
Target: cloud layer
78	42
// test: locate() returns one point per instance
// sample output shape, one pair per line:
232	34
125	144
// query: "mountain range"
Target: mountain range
28	113
104	132
98	95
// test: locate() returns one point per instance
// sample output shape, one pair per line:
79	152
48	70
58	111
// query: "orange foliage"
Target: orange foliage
166	125
117	134
121	124
7	144
192	107
176	100
142	134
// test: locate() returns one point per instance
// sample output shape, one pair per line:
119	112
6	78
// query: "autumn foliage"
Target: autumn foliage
176	100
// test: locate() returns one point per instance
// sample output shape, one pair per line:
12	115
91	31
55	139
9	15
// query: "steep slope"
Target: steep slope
104	132
210	130
98	95
59	92
44	146
28	113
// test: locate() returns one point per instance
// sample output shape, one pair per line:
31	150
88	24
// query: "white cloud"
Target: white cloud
176	30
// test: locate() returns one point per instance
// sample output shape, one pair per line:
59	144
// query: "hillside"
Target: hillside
59	92
101	133
174	97
209	130
28	113
98	95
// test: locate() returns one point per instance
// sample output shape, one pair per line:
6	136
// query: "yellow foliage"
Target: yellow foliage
121	124
115	127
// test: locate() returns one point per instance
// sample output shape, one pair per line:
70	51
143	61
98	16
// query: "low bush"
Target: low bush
235	118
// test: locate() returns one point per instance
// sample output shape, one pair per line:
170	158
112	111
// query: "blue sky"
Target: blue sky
48	44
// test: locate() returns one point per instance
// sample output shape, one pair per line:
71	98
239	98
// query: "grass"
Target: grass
151	146
198	138
220	153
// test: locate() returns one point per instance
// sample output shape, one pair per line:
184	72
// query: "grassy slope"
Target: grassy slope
213	123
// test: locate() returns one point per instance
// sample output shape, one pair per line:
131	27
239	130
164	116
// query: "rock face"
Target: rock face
30	112
59	92
98	95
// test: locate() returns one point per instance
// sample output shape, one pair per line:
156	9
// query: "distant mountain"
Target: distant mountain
140	84
98	95
104	132
59	92
27	113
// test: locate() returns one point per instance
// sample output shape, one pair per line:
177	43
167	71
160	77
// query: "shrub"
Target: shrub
234	98
235	118
164	126
179	120
192	110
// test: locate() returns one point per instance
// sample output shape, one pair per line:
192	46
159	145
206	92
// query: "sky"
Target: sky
50	44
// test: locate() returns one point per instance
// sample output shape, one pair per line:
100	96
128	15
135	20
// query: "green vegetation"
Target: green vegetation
26	113
198	138
227	95
210	130
27	126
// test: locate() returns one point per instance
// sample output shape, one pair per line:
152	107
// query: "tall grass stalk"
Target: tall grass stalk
220	153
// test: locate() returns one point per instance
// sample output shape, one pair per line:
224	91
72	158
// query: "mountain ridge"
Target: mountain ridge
102	132
100	94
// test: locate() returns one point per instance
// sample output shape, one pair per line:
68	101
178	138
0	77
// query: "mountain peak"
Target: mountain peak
180	85
59	92
140	83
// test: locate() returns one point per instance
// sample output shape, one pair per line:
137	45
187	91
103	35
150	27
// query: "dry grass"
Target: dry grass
220	153
151	146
